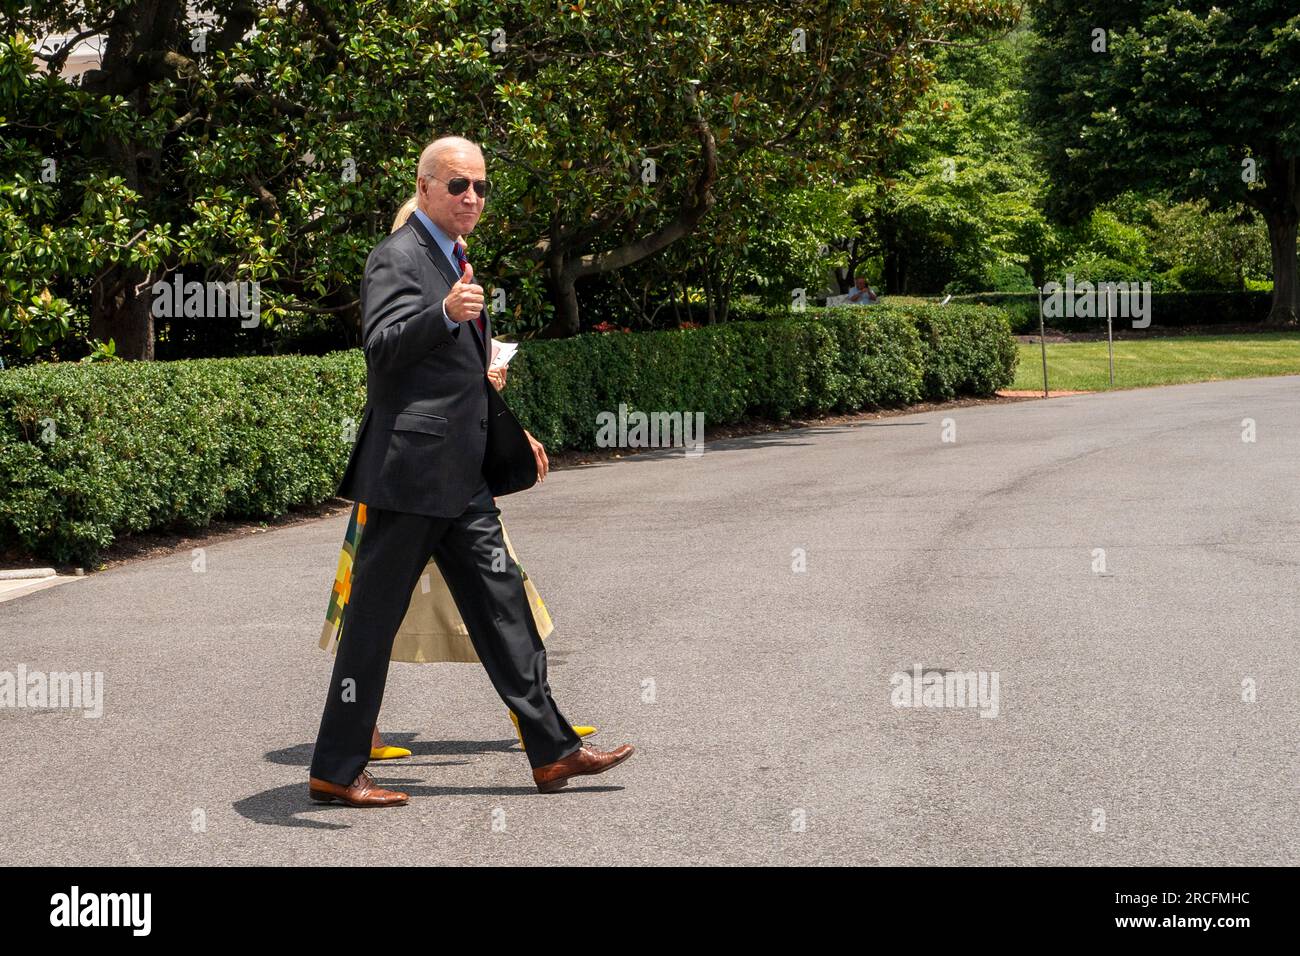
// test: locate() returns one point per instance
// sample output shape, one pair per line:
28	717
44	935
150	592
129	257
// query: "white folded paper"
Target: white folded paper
502	353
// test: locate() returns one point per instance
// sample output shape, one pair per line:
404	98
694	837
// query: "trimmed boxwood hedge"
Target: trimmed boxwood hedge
92	452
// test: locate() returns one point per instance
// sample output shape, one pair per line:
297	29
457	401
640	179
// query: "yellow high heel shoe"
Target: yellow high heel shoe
386	752
582	730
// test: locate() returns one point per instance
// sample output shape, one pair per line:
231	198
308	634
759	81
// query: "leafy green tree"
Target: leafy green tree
1195	99
1201	248
272	143
88	170
956	201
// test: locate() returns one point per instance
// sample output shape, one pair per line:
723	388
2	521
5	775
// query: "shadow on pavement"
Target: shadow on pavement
289	805
299	755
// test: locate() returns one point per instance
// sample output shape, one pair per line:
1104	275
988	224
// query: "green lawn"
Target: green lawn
1164	361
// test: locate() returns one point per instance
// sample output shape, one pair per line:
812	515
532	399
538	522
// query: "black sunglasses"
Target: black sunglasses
460	184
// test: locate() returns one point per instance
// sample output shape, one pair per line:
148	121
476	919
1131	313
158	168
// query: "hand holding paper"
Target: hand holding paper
502	353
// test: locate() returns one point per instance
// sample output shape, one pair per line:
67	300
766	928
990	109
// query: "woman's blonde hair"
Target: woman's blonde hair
404	214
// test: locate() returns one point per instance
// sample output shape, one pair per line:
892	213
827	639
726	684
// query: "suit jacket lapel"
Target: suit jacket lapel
448	271
431	249
478	339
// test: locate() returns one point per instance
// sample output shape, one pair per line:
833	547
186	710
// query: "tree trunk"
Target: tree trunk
121	306
726	294
147	42
565	298
139	35
566	262
844	277
708	290
120	313
1282	244
893	265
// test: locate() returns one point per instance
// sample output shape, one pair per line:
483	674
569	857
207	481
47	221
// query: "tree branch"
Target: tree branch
701	200
263	194
56	60
320	309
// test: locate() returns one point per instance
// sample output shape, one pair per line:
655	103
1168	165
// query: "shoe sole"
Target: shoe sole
320	797
554	785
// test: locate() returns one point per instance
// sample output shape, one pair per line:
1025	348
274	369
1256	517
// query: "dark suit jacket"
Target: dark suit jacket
433	426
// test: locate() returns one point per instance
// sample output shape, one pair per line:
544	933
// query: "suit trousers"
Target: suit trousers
489	593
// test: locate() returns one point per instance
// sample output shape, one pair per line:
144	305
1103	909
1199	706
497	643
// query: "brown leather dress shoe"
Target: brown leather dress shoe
585	760
362	792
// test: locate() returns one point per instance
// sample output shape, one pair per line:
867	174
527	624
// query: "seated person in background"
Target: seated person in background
861	294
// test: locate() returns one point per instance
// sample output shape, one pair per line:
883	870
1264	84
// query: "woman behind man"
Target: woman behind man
433	630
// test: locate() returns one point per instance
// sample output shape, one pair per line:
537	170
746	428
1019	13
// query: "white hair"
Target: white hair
431	156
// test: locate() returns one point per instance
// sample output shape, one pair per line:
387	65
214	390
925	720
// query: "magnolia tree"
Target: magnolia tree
1196	98
271	144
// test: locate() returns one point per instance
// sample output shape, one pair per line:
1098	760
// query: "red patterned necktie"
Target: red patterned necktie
461	263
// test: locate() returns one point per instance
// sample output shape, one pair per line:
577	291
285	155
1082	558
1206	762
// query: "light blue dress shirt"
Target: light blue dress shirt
448	246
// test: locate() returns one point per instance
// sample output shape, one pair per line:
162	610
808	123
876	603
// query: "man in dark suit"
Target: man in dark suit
434	445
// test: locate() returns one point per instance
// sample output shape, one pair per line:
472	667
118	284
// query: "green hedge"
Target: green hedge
92	452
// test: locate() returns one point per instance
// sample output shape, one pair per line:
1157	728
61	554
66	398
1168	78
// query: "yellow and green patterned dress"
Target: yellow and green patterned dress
433	629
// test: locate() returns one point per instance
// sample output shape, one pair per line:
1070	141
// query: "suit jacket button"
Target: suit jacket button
482	423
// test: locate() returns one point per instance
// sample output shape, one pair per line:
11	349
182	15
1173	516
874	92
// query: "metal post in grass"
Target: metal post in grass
1110	338
1042	338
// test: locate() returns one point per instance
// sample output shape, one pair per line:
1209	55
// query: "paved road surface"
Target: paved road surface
770	736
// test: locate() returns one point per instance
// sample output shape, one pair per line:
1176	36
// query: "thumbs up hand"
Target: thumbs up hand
465	300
